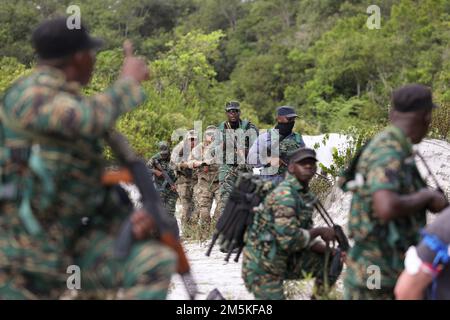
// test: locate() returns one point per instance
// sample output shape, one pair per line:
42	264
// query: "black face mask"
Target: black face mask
285	129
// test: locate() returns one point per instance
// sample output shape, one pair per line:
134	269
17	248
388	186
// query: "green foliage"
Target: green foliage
316	55
341	158
10	70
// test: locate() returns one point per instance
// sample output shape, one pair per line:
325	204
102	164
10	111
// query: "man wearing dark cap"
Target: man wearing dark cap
58	214
390	198
281	243
237	137
272	148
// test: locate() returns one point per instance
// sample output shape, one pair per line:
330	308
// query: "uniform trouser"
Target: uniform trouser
205	193
186	192
144	274
35	267
228	178
358	278
268	285
169	199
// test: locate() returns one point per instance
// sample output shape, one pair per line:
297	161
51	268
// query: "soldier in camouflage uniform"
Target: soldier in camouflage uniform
186	176
168	192
58	213
390	198
272	148
207	188
281	243
236	138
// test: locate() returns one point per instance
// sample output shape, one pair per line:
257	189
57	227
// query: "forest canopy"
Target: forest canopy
316	55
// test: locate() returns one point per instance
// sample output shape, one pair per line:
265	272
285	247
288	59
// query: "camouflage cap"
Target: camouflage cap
302	154
191	134
210	129
163	147
232	105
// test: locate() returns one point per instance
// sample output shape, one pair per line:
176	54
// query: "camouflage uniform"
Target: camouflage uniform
186	180
207	187
168	196
73	218
278	241
387	163
229	172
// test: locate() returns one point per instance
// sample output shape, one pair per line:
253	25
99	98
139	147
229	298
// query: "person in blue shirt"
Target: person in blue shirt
272	149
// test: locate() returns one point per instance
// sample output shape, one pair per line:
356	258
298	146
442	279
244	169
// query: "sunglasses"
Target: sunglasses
233	111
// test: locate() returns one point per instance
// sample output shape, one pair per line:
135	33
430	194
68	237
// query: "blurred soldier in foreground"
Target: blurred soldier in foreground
54	210
390	198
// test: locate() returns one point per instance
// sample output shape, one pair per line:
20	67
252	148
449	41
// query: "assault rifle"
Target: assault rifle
167	178
341	238
140	174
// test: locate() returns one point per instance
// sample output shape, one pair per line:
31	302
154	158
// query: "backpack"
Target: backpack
247	195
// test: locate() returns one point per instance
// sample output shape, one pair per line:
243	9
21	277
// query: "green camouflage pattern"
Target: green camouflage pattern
46	105
387	163
287	146
229	173
277	243
168	197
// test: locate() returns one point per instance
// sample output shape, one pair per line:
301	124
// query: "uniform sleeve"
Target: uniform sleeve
72	116
290	237
252	126
302	142
255	137
150	163
384	165
195	155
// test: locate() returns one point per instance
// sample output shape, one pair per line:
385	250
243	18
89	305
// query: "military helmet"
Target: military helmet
210	129
163	148
191	134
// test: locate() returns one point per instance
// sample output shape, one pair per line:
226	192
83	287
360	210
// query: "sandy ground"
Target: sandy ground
212	272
